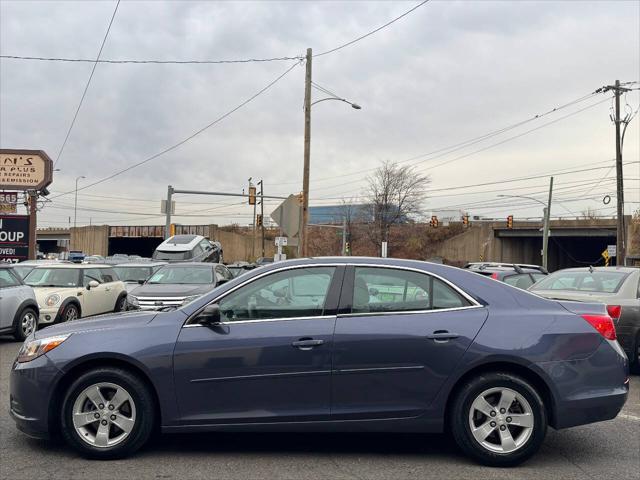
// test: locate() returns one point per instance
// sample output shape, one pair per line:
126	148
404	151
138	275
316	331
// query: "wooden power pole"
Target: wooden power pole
307	154
620	253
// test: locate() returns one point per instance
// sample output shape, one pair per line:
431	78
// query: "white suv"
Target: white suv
69	291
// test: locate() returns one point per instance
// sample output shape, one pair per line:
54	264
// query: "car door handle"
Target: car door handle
442	336
307	343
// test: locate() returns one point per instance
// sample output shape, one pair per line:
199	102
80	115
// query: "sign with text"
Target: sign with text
611	250
8	202
25	169
14	238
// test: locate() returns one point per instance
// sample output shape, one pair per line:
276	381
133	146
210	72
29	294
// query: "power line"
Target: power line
157	62
86	87
185	140
460	145
481	149
344	45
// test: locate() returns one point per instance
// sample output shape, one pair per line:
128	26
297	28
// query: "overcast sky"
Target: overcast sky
444	74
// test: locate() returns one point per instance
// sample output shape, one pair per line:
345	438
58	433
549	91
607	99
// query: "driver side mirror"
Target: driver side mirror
210	315
92	284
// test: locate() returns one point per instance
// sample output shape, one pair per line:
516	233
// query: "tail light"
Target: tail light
614	311
494	275
603	324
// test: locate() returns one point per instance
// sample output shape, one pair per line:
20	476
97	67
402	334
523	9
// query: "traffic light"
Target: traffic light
434	221
258	220
252	195
172	229
510	221
347	248
465	220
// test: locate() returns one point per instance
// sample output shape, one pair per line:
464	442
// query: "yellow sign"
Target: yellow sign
24	169
605	255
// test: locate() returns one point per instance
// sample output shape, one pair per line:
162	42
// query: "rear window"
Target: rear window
598	281
181	239
160	255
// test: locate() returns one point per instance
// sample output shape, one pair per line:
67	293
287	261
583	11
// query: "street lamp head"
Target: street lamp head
356	106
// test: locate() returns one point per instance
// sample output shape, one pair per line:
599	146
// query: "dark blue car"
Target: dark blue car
329	344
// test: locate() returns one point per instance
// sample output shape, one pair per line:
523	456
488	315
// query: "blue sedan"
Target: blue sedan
329	344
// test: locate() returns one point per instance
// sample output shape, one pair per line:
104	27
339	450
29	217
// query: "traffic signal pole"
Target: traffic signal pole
262	213
546	226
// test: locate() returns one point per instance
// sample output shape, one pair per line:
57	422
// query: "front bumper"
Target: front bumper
48	315
30	391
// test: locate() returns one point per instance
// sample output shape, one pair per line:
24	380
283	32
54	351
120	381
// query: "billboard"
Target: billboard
25	169
14	238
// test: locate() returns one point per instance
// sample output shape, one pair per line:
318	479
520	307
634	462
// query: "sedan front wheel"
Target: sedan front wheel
107	413
499	419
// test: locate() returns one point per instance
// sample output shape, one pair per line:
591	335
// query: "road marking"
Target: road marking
629	417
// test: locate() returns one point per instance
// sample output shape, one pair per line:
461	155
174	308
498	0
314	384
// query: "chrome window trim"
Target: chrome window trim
408	312
469	298
262	320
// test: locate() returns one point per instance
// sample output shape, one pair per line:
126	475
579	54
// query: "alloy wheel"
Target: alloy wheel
104	414
501	420
28	323
71	314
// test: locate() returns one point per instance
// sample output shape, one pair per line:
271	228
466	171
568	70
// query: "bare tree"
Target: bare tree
589	213
395	194
349	213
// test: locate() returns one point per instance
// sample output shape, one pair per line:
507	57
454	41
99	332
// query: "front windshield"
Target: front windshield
597	281
53	277
133	274
183	275
23	270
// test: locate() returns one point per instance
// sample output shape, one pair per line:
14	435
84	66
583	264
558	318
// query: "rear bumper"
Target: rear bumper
590	390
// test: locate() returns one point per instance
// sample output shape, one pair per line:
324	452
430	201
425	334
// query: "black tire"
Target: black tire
143	424
26	323
460	419
121	304
71	312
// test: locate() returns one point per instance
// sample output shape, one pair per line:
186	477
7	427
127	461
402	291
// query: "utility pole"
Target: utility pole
546	227
167	226
253	243
307	155
620	253
33	209
75	205
262	213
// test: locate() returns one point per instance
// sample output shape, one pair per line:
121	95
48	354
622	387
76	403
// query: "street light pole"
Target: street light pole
546	225
75	205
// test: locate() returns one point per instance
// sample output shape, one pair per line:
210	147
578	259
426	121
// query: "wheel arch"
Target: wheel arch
526	372
66	302
86	364
27	303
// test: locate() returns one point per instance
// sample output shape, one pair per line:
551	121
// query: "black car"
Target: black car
177	284
517	275
238	268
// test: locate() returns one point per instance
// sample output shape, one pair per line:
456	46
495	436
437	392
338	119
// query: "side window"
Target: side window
220	276
521	280
91	274
385	289
390	290
205	245
109	275
7	280
446	297
197	251
538	276
299	292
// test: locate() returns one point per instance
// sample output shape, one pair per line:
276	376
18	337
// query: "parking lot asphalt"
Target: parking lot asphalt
603	450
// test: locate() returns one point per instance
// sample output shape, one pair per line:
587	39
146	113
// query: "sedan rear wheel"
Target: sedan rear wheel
499	419
107	413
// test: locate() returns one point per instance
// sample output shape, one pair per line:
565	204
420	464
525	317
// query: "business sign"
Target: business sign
14	238
611	250
8	202
24	169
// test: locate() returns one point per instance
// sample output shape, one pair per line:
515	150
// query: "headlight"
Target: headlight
35	348
190	299
52	300
133	301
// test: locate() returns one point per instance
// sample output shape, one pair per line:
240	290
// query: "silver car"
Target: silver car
18	306
617	287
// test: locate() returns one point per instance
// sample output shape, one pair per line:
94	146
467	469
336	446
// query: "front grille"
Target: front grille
160	302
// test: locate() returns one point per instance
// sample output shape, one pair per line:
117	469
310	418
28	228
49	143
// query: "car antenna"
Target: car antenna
590	268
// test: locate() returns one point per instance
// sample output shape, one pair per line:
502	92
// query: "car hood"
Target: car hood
101	322
170	290
43	292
